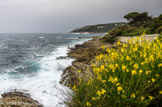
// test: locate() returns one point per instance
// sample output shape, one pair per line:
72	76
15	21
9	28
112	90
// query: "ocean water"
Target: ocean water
28	64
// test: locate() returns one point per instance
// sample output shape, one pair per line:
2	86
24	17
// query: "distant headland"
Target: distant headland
99	28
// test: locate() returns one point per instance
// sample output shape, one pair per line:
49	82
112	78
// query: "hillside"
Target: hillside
100	28
137	24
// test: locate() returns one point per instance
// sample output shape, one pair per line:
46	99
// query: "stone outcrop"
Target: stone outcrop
84	56
18	99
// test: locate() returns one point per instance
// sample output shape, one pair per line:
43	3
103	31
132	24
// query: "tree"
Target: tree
137	19
156	25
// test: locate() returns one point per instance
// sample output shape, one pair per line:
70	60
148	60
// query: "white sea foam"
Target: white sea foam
41	37
43	86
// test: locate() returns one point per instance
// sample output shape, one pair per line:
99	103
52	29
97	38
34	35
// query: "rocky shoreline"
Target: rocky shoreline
80	69
84	56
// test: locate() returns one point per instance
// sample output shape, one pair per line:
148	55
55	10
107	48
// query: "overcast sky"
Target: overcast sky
50	16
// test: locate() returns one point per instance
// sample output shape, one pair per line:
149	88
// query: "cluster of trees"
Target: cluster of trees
137	24
137	19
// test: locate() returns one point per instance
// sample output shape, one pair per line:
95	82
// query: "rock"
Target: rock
62	57
18	99
84	56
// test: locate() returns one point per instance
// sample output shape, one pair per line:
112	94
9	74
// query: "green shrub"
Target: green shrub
109	39
128	76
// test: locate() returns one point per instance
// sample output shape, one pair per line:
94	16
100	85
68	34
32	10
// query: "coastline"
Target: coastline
84	56
17	96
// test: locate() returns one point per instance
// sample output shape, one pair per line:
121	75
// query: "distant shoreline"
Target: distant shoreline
86	33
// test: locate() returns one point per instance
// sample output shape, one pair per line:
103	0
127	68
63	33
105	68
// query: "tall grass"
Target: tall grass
128	76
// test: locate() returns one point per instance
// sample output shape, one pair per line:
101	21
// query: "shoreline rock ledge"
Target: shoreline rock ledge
18	99
84	56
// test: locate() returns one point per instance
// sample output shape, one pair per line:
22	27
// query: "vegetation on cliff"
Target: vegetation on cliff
100	28
137	24
129	75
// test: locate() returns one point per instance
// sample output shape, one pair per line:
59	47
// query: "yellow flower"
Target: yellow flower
115	79
135	66
103	91
111	79
151	58
124	45
128	58
160	92
74	87
131	62
128	41
127	70
142	63
119	88
93	65
103	81
93	98
79	71
148	81
116	65
99	77
98	93
108	50
113	70
102	67
122	49
133	95
99	57
133	72
142	98
157	75
135	49
117	84
160	65
103	47
147	72
144	33
153	80
106	70
123	68
140	71
137	37
111	66
118	43
151	97
88	104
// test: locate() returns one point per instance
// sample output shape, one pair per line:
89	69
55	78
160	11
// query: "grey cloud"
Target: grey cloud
65	15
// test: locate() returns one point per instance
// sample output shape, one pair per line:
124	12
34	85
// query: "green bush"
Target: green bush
109	39
149	25
128	76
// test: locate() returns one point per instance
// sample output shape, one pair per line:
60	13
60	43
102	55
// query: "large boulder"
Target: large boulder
18	99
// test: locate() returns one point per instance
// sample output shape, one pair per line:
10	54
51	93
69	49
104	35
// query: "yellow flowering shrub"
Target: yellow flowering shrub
129	75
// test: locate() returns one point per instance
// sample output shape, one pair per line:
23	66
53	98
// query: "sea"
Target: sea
29	64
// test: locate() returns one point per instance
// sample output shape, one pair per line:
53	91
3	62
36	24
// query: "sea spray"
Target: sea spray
38	74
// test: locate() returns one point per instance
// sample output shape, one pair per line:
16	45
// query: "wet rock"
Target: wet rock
62	57
18	99
84	56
